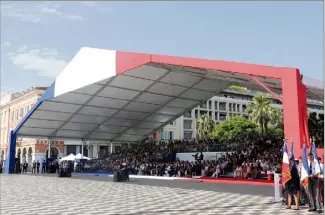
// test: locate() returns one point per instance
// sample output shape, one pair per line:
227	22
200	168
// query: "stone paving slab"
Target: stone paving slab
35	195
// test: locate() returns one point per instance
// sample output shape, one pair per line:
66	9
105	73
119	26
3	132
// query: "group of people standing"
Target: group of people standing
309	191
35	167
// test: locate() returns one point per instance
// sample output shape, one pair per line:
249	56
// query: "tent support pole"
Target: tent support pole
266	88
49	149
82	147
111	148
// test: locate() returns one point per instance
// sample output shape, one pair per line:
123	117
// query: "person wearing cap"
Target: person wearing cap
313	184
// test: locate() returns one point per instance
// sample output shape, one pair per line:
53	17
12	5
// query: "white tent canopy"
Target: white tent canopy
70	157
80	156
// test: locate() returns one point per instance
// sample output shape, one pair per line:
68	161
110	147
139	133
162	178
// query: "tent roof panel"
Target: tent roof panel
120	122
119	96
118	93
78	126
59	107
90	110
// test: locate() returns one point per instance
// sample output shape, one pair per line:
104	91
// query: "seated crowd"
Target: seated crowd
242	159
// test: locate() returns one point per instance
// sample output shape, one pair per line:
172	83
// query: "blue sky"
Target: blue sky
39	38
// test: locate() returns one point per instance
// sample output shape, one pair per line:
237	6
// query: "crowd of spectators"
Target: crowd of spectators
241	158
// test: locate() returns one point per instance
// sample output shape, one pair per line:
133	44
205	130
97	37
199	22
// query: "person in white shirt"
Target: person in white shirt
313	185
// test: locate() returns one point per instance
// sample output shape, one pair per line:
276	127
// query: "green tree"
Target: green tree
204	126
275	131
316	127
235	127
261	111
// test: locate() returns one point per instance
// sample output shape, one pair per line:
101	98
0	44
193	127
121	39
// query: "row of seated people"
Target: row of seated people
147	158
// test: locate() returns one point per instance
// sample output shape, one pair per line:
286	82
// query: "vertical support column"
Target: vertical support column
65	149
82	147
111	148
181	127
293	106
49	149
10	161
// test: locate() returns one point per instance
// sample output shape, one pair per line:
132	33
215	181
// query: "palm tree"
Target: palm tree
204	126
262	112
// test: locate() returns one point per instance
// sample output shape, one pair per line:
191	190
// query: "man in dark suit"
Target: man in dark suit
25	167
43	166
37	166
313	184
34	167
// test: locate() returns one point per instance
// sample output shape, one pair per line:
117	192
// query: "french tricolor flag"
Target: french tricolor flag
286	176
304	167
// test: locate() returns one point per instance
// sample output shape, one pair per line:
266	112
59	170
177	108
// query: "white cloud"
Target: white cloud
36	12
45	62
5	43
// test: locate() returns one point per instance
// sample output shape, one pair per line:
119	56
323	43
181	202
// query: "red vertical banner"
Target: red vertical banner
304	113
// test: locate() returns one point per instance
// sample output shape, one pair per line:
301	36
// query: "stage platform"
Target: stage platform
256	182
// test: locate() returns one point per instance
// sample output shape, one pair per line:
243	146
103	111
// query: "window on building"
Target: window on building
222	106
222	116
188	114
244	108
196	113
204	105
216	115
216	105
187	135
21	112
172	123
230	107
166	135
26	110
210	104
202	113
16	114
12	116
187	124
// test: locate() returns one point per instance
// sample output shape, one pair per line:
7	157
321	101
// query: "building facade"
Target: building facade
219	108
13	109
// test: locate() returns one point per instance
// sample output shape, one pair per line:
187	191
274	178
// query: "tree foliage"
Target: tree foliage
262	112
237	88
235	127
316	127
204	126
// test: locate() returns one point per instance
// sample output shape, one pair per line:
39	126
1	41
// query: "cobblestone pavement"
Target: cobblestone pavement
33	195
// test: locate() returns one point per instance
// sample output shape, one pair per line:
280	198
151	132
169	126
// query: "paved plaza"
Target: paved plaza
33	195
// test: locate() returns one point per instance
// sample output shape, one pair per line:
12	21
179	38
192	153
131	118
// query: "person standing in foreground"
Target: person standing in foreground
313	186
293	185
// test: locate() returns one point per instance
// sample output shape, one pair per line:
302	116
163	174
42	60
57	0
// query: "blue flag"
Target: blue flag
292	157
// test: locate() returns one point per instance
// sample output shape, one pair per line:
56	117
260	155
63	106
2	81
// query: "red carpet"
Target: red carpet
258	182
